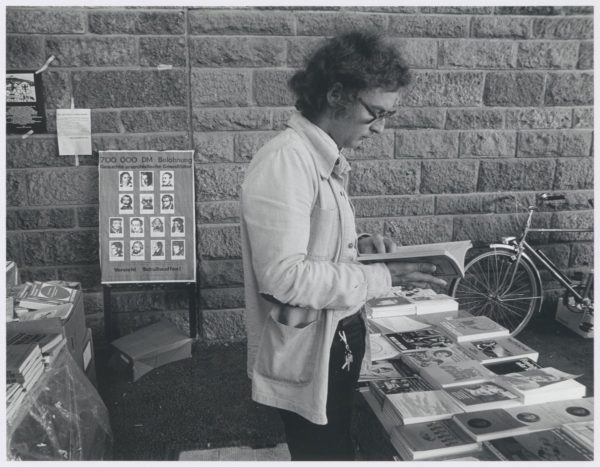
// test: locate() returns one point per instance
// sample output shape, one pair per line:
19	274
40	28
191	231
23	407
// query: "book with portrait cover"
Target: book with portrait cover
498	350
433	439
430	357
428	338
456	373
492	424
547	445
512	366
485	395
472	328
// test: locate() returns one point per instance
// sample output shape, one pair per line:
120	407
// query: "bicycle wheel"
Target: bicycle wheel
486	289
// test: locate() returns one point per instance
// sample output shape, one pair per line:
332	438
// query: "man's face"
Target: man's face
136	226
145	179
166	201
357	124
136	248
126	200
126	178
114	250
116	224
166	178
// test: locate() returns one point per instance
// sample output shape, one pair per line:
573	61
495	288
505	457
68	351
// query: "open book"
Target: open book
448	257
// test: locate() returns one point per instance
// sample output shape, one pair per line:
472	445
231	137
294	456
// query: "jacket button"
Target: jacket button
350	245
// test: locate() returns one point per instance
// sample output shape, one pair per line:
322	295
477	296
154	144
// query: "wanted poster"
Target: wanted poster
147	216
24	103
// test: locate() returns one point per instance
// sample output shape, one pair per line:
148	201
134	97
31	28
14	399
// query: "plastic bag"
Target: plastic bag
62	417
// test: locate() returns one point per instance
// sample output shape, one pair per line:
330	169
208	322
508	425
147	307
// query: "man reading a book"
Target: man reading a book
304	288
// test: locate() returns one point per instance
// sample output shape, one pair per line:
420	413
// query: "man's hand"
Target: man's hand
414	274
376	244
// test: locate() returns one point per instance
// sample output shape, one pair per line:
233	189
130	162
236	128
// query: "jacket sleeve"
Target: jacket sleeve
277	198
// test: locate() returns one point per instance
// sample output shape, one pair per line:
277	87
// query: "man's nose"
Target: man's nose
378	126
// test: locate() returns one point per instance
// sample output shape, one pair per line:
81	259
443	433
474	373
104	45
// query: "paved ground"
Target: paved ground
203	403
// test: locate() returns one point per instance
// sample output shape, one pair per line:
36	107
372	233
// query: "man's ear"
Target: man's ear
335	95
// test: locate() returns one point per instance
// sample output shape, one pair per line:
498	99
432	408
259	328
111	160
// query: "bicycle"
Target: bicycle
505	285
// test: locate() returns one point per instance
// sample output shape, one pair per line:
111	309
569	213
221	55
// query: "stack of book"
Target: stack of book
24	364
49	344
41	295
15	393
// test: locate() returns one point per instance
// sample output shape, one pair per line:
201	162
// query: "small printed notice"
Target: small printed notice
74	130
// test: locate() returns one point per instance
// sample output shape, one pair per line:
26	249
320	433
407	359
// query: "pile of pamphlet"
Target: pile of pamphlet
24	366
447	385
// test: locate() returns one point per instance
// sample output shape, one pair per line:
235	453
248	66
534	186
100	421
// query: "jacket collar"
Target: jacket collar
326	153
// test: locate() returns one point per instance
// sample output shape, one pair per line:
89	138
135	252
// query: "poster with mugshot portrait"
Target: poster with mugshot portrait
147	216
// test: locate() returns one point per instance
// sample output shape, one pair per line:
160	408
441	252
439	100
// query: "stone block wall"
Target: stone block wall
500	107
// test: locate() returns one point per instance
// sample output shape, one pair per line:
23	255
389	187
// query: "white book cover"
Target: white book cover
382	348
544	385
423	406
456	373
472	328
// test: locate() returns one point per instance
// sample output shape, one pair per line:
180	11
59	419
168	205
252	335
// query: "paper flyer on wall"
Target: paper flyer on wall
24	103
74	132
147	216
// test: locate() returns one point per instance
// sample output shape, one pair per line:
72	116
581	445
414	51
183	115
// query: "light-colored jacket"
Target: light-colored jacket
299	249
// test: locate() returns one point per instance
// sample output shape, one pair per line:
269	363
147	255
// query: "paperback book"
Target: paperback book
382	348
498	350
513	421
512	366
394	305
428	338
41	295
428	301
393	324
543	385
581	431
452	374
382	389
420	359
421	406
482	396
380	370
429	440
472	328
449	257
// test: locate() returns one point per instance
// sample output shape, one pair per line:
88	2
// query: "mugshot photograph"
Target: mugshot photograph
137	250
177	227
126	204
125	180
115	251
146	203
136	227
167	205
146	181
167	180
157	226
115	227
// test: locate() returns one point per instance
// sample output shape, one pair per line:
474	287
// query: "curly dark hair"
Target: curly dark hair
357	60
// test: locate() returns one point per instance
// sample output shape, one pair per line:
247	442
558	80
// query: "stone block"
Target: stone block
158	142
52	20
397	206
426	144
443	89
554	144
16	188
146	301
106	122
476	54
582	254
331	23
156	51
232	22
216	87
222	242
474	119
218	212
456	10
378	147
578	10
92	51
245	145
130	88
449	176
34	152
237	51
154	121
501	27
137	22
219	182
541	117
24	52
232	119
563	28
547	54
213	147
87	216
60	248
586	56
418	230
384	178
485	229
528	10
459	204
574	174
270	87
300	48
58	187
429	26
583	118
224	325
570	89
40	219
221	273
514	89
418	53
416	118
13	249
89	276
572	220
218	299
57	89
488	143
38	274
516	175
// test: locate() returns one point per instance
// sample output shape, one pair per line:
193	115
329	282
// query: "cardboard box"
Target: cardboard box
72	328
151	347
573	321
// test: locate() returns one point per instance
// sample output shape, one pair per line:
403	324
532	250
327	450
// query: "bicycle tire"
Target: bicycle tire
481	292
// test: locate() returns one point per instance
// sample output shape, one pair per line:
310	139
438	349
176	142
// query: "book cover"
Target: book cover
431	439
422	406
512	366
382	348
498	350
472	328
379	370
428	338
393	324
427	301
582	431
423	358
400	385
456	373
547	445
543	385
393	305
448	257
484	395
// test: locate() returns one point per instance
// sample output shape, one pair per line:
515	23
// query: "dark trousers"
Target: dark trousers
308	441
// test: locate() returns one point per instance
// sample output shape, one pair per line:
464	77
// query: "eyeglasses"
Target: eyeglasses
377	116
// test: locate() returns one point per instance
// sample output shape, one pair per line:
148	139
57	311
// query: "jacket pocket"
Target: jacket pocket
323	233
287	353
